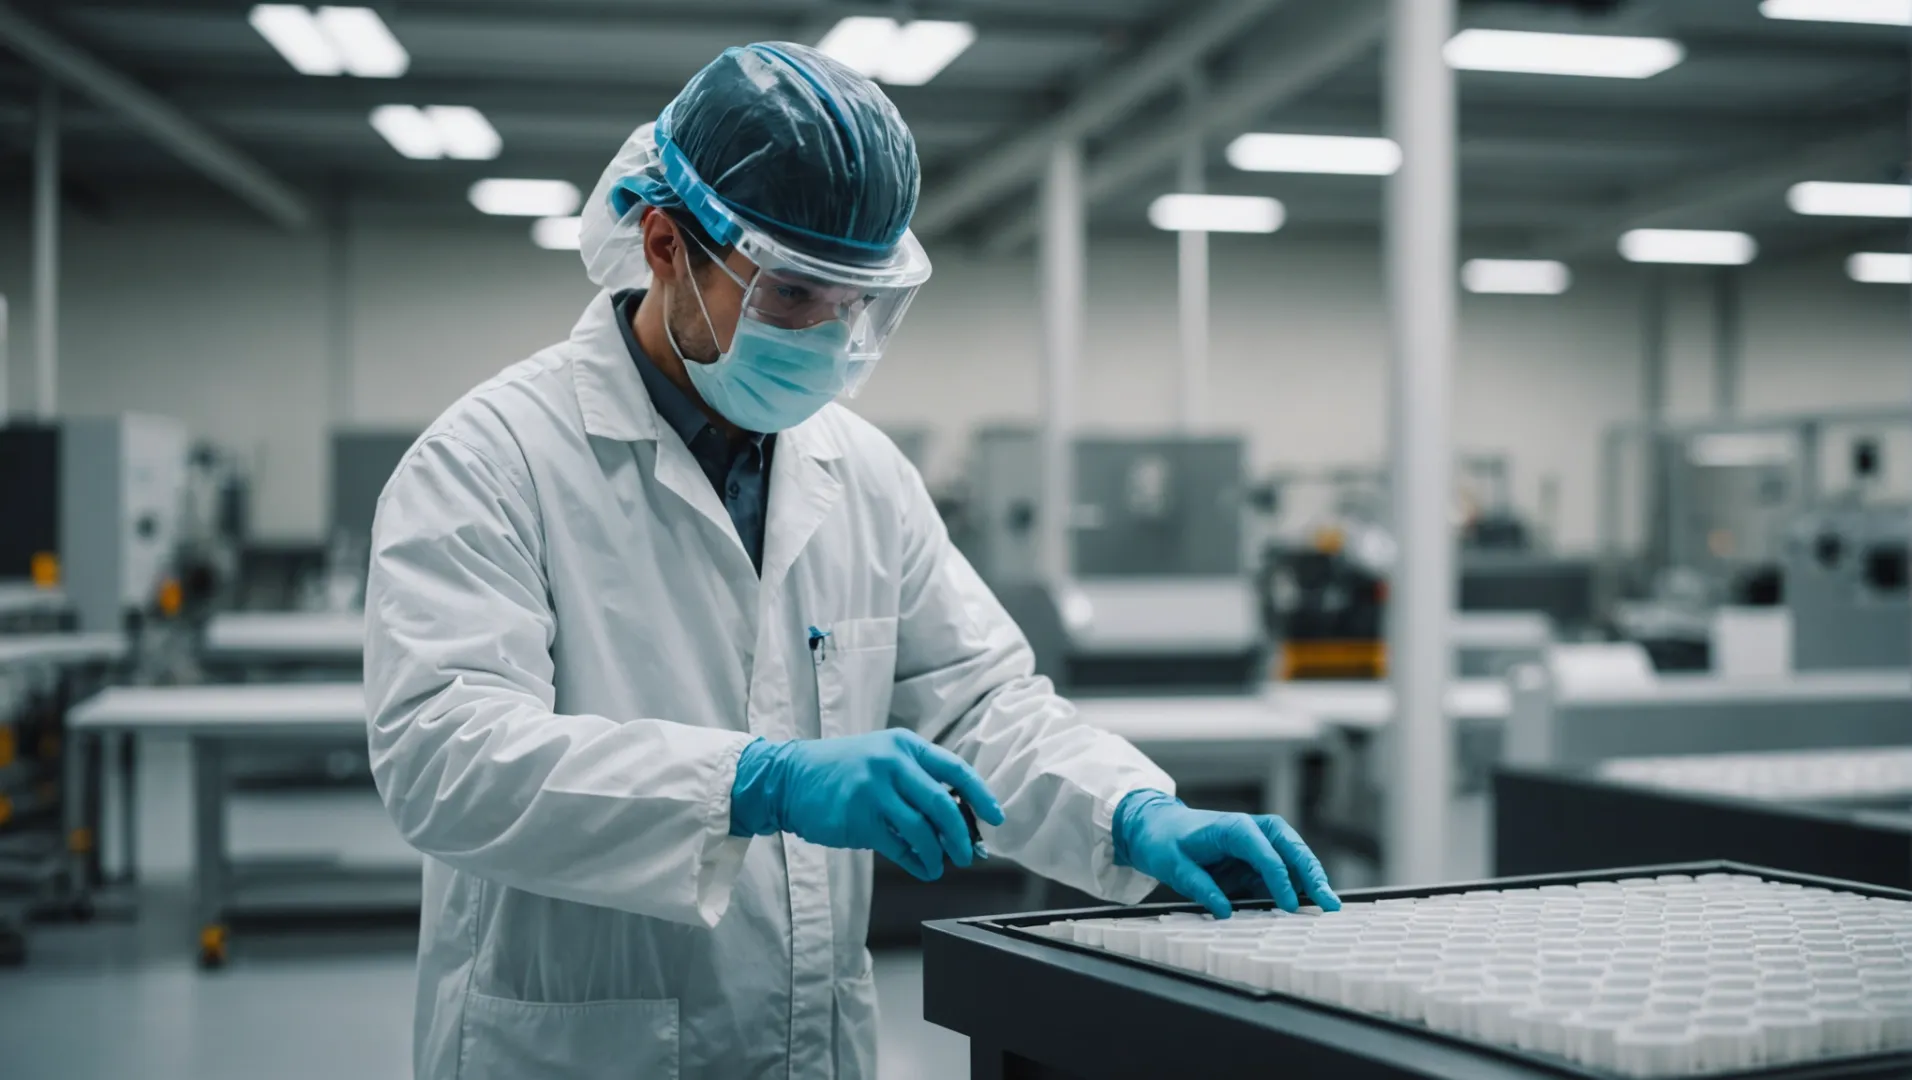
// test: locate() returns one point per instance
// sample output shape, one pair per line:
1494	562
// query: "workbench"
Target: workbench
1552	820
1216	740
1038	1008
217	721
278	641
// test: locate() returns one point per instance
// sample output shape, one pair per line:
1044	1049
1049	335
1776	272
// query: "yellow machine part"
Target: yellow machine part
1333	660
45	570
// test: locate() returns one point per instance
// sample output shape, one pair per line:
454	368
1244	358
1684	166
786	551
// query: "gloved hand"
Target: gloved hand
883	791
1208	856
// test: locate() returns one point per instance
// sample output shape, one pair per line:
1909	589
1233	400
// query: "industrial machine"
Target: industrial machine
93	505
1846	586
1158	598
362	461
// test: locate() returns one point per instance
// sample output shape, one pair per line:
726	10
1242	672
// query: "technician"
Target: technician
661	643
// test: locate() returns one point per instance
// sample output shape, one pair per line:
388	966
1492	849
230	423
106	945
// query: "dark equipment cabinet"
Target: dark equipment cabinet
1039	1009
1548	821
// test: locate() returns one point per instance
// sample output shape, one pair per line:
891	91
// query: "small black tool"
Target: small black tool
969	819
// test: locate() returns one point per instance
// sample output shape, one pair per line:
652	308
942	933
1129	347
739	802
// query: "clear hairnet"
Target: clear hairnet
786	139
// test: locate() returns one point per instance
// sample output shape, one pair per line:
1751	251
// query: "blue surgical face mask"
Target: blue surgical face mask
771	378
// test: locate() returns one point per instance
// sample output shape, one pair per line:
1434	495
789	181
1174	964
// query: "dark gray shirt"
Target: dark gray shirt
740	471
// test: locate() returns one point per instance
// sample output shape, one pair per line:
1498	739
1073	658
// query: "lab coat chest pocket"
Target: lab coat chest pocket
594	1040
856	673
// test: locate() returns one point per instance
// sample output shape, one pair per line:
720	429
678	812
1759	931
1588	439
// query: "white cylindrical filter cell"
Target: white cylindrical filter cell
1651	1048
1404	990
1189	951
1227	958
1739	1002
1851	1028
1154	941
1268	971
1445	1009
1537	1027
1787	1034
1089	931
1123	936
1591	1035
1491	1016
1726	1041
1364	986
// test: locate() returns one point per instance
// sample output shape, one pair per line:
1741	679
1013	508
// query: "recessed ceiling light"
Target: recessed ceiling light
1875	12
1517	277
525	198
467	135
557	233
1592	55
904	54
1823	198
1880	268
1700	247
331	40
1216	213
1343	154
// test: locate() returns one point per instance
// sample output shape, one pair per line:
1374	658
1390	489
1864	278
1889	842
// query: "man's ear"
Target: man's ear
661	244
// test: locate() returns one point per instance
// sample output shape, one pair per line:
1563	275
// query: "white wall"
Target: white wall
235	329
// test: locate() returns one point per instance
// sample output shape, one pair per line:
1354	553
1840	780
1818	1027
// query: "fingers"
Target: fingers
895	850
933	801
1296	853
1242	837
954	771
1188	878
914	829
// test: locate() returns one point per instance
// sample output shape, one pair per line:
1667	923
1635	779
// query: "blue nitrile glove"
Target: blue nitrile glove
883	791
1207	856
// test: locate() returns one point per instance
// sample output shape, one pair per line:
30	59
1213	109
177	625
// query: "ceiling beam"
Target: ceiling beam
1299	62
1109	98
1715	196
156	118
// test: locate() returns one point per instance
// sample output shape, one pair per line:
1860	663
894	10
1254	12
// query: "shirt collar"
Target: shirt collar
676	407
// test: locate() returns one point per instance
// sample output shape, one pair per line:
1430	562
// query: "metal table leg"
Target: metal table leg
209	848
1281	792
75	824
129	810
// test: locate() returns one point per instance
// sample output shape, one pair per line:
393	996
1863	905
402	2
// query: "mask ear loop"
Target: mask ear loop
699	294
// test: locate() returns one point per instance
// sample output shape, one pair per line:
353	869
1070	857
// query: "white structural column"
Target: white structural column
46	252
1192	275
1063	268
1420	253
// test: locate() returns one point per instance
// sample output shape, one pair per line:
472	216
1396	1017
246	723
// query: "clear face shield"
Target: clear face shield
853	306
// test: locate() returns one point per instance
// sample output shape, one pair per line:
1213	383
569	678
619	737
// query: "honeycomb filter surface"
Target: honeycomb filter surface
1643	977
1881	772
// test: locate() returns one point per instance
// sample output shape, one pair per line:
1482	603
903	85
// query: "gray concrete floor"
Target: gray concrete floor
122	997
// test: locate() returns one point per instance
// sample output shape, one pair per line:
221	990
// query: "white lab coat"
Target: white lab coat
566	648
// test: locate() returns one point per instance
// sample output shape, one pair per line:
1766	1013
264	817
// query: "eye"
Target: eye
793	294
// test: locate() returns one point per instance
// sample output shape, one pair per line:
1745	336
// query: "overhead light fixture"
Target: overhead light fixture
557	233
1873	12
293	31
1217	213
1698	247
902	54
1592	55
438	131
1880	268
1516	277
1827	199
331	40
1339	154
526	198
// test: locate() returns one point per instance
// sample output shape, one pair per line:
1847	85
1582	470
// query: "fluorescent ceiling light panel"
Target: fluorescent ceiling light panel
364	43
1880	268
525	198
465	132
1697	247
1593	55
557	233
1516	277
296	35
1340	154
1823	198
902	54
1874	12
410	131
1216	213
